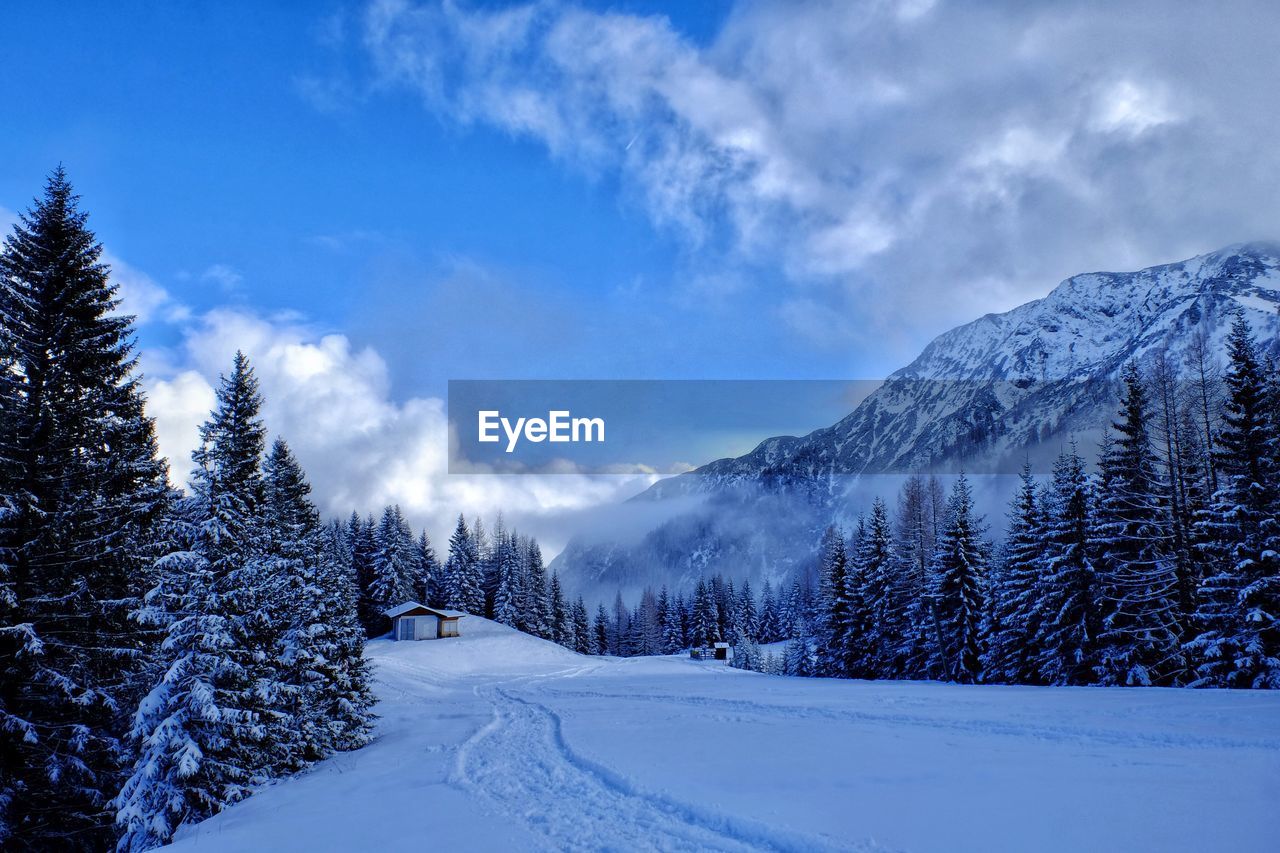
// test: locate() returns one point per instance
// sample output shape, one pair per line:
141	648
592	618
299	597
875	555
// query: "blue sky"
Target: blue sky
373	198
204	162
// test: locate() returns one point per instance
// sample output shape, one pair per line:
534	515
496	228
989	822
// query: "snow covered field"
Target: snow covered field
499	741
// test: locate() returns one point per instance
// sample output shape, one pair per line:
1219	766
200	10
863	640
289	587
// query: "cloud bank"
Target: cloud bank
331	401
907	164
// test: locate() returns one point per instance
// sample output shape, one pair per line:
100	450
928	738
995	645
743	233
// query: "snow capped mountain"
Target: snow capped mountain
997	387
982	397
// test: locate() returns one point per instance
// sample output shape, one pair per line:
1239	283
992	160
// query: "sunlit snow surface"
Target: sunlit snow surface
498	741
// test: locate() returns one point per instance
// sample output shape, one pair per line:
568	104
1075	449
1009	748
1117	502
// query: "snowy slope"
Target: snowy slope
501	741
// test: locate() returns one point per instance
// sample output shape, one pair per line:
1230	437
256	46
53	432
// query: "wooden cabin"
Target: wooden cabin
715	651
414	621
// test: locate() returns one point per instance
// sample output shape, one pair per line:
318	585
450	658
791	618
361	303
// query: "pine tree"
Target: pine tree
1013	656
748	618
484	566
517	575
214	724
1139	586
958	590
792	610
560	622
648	625
768	621
672	632
600	630
326	678
582	629
1204	396
664	619
876	561
746	652
1068	631
1239	616
361	541
913	626
1179	468
192	730
726	606
509	588
703	629
463	574
836	607
858	623
345	706
619	625
1195	503
228	475
395	561
537	602
426	573
802	652
683	623
81	493
292	521
291	531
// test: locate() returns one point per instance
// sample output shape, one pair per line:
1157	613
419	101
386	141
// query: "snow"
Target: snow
1257	303
497	740
1038	377
410	606
401	609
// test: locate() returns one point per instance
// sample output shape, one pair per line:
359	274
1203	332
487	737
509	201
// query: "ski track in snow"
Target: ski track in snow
500	741
521	762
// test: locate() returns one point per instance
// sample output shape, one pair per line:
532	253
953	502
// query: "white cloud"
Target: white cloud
179	405
142	296
916	163
331	402
1130	108
224	276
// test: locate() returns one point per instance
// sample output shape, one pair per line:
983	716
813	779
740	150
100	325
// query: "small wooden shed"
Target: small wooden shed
715	651
414	621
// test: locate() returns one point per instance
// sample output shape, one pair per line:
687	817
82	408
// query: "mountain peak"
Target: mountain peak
1103	318
982	397
1050	357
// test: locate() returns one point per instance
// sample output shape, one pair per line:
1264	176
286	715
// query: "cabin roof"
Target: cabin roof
402	609
414	607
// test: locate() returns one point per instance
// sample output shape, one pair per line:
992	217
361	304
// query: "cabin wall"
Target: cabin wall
419	625
426	627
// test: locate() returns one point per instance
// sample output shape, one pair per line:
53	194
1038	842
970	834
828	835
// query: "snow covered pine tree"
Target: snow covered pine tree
216	723
326	678
957	590
81	491
1239	615
1138	583
463	575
